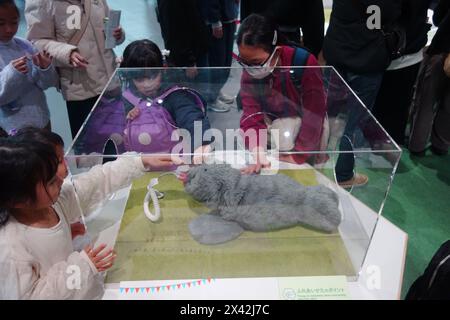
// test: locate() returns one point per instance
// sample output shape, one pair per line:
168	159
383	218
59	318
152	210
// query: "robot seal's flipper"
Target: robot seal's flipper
211	229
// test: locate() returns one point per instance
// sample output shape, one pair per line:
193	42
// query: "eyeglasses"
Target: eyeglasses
253	65
245	65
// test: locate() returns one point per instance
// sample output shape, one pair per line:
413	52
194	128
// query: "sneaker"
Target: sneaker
438	152
218	106
358	180
226	98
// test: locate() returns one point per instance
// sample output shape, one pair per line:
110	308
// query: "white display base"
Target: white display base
380	279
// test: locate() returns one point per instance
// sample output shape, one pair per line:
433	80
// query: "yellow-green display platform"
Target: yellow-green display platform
166	250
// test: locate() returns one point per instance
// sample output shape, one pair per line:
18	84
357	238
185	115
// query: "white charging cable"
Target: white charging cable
151	194
154	195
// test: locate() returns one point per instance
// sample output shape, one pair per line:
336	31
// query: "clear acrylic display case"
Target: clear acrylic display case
336	130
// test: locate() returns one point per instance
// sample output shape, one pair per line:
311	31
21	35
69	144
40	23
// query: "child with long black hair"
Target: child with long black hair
271	90
49	137
37	259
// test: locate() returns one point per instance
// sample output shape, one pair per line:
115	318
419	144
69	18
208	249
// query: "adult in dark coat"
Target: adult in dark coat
361	56
431	107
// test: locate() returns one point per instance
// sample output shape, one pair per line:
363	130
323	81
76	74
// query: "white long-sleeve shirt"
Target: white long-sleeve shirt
40	263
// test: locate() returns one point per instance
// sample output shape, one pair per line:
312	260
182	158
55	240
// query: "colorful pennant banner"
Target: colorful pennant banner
157	289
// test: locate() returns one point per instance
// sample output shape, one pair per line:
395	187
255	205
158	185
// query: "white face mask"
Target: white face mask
265	70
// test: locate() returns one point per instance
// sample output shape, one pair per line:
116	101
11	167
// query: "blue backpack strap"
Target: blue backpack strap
300	59
198	98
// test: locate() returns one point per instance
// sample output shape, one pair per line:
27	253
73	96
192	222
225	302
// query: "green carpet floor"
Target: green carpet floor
419	204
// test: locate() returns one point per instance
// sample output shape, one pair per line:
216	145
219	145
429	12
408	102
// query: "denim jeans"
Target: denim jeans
219	55
366	87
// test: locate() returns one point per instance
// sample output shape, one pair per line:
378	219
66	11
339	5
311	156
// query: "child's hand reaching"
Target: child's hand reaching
261	162
20	64
42	59
101	258
287	158
201	154
133	114
160	162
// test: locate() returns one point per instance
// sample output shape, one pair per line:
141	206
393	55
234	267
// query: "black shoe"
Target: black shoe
438	152
418	153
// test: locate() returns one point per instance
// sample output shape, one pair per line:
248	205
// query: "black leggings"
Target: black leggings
394	100
78	112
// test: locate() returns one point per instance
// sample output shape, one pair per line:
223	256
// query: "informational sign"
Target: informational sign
313	288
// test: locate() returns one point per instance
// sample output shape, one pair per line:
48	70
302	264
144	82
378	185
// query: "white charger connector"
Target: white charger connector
154	195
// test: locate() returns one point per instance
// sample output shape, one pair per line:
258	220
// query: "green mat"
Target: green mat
165	250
